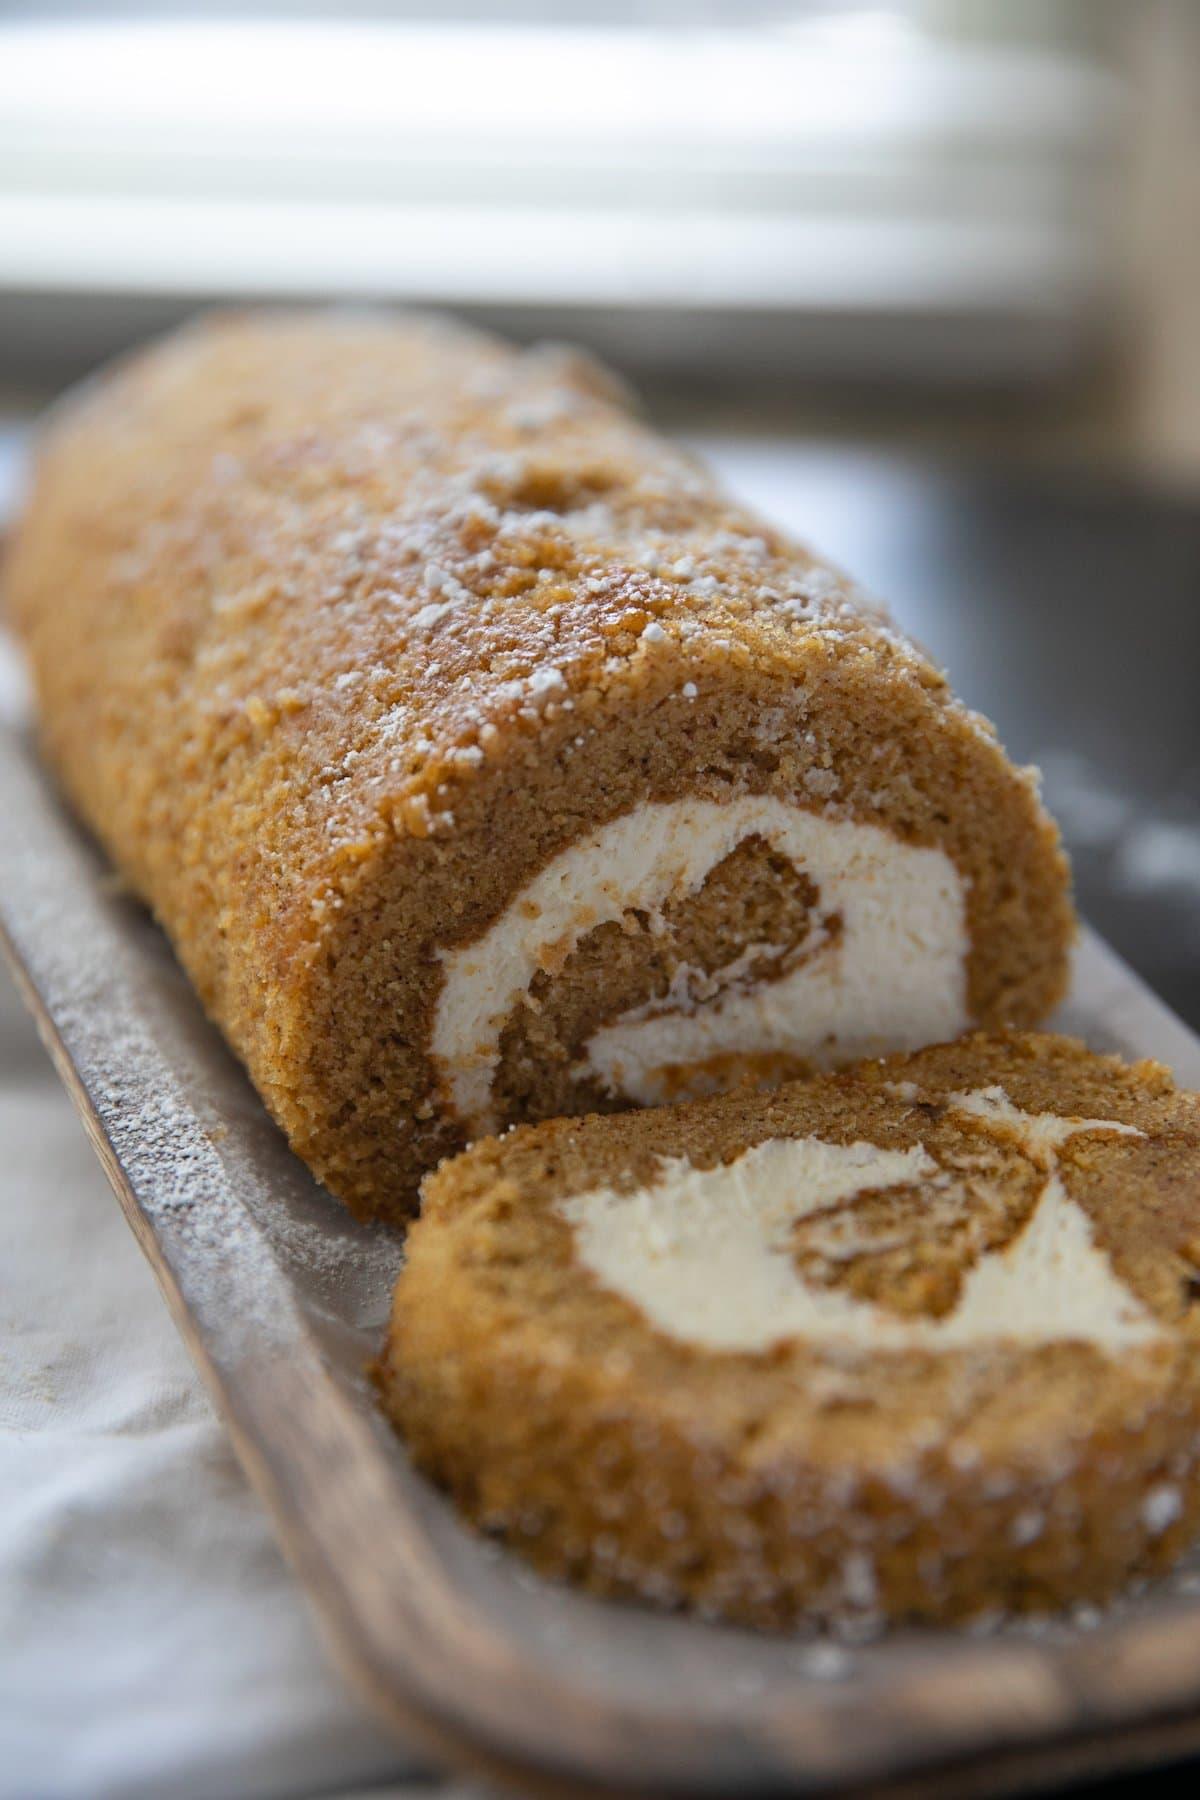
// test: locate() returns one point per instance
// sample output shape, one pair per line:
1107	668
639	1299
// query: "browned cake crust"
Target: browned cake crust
828	1478
343	627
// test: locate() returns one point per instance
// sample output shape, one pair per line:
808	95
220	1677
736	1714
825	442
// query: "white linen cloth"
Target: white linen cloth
152	1641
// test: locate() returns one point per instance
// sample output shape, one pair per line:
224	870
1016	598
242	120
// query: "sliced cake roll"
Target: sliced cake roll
919	1340
484	761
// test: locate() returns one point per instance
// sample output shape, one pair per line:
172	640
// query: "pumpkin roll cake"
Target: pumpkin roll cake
916	1340
485	762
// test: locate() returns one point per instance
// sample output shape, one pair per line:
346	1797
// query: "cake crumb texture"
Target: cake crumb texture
1030	1464
344	626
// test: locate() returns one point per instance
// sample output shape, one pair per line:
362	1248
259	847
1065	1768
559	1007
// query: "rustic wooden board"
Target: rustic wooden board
282	1298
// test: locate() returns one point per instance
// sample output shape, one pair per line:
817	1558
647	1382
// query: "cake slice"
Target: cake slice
918	1340
484	761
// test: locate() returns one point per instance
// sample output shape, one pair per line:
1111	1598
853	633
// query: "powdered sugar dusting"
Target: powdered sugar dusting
234	1212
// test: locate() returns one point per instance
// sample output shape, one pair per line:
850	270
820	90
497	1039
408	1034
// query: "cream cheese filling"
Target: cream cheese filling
706	1254
893	978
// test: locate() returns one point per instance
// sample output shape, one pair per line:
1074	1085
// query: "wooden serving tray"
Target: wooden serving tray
282	1298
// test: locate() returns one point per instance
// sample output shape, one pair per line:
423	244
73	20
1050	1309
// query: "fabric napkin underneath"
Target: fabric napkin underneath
152	1641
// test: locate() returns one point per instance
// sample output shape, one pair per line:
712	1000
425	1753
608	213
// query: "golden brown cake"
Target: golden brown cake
919	1340
483	761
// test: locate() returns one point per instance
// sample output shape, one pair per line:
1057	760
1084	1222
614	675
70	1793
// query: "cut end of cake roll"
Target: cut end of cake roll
485	762
914	1341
